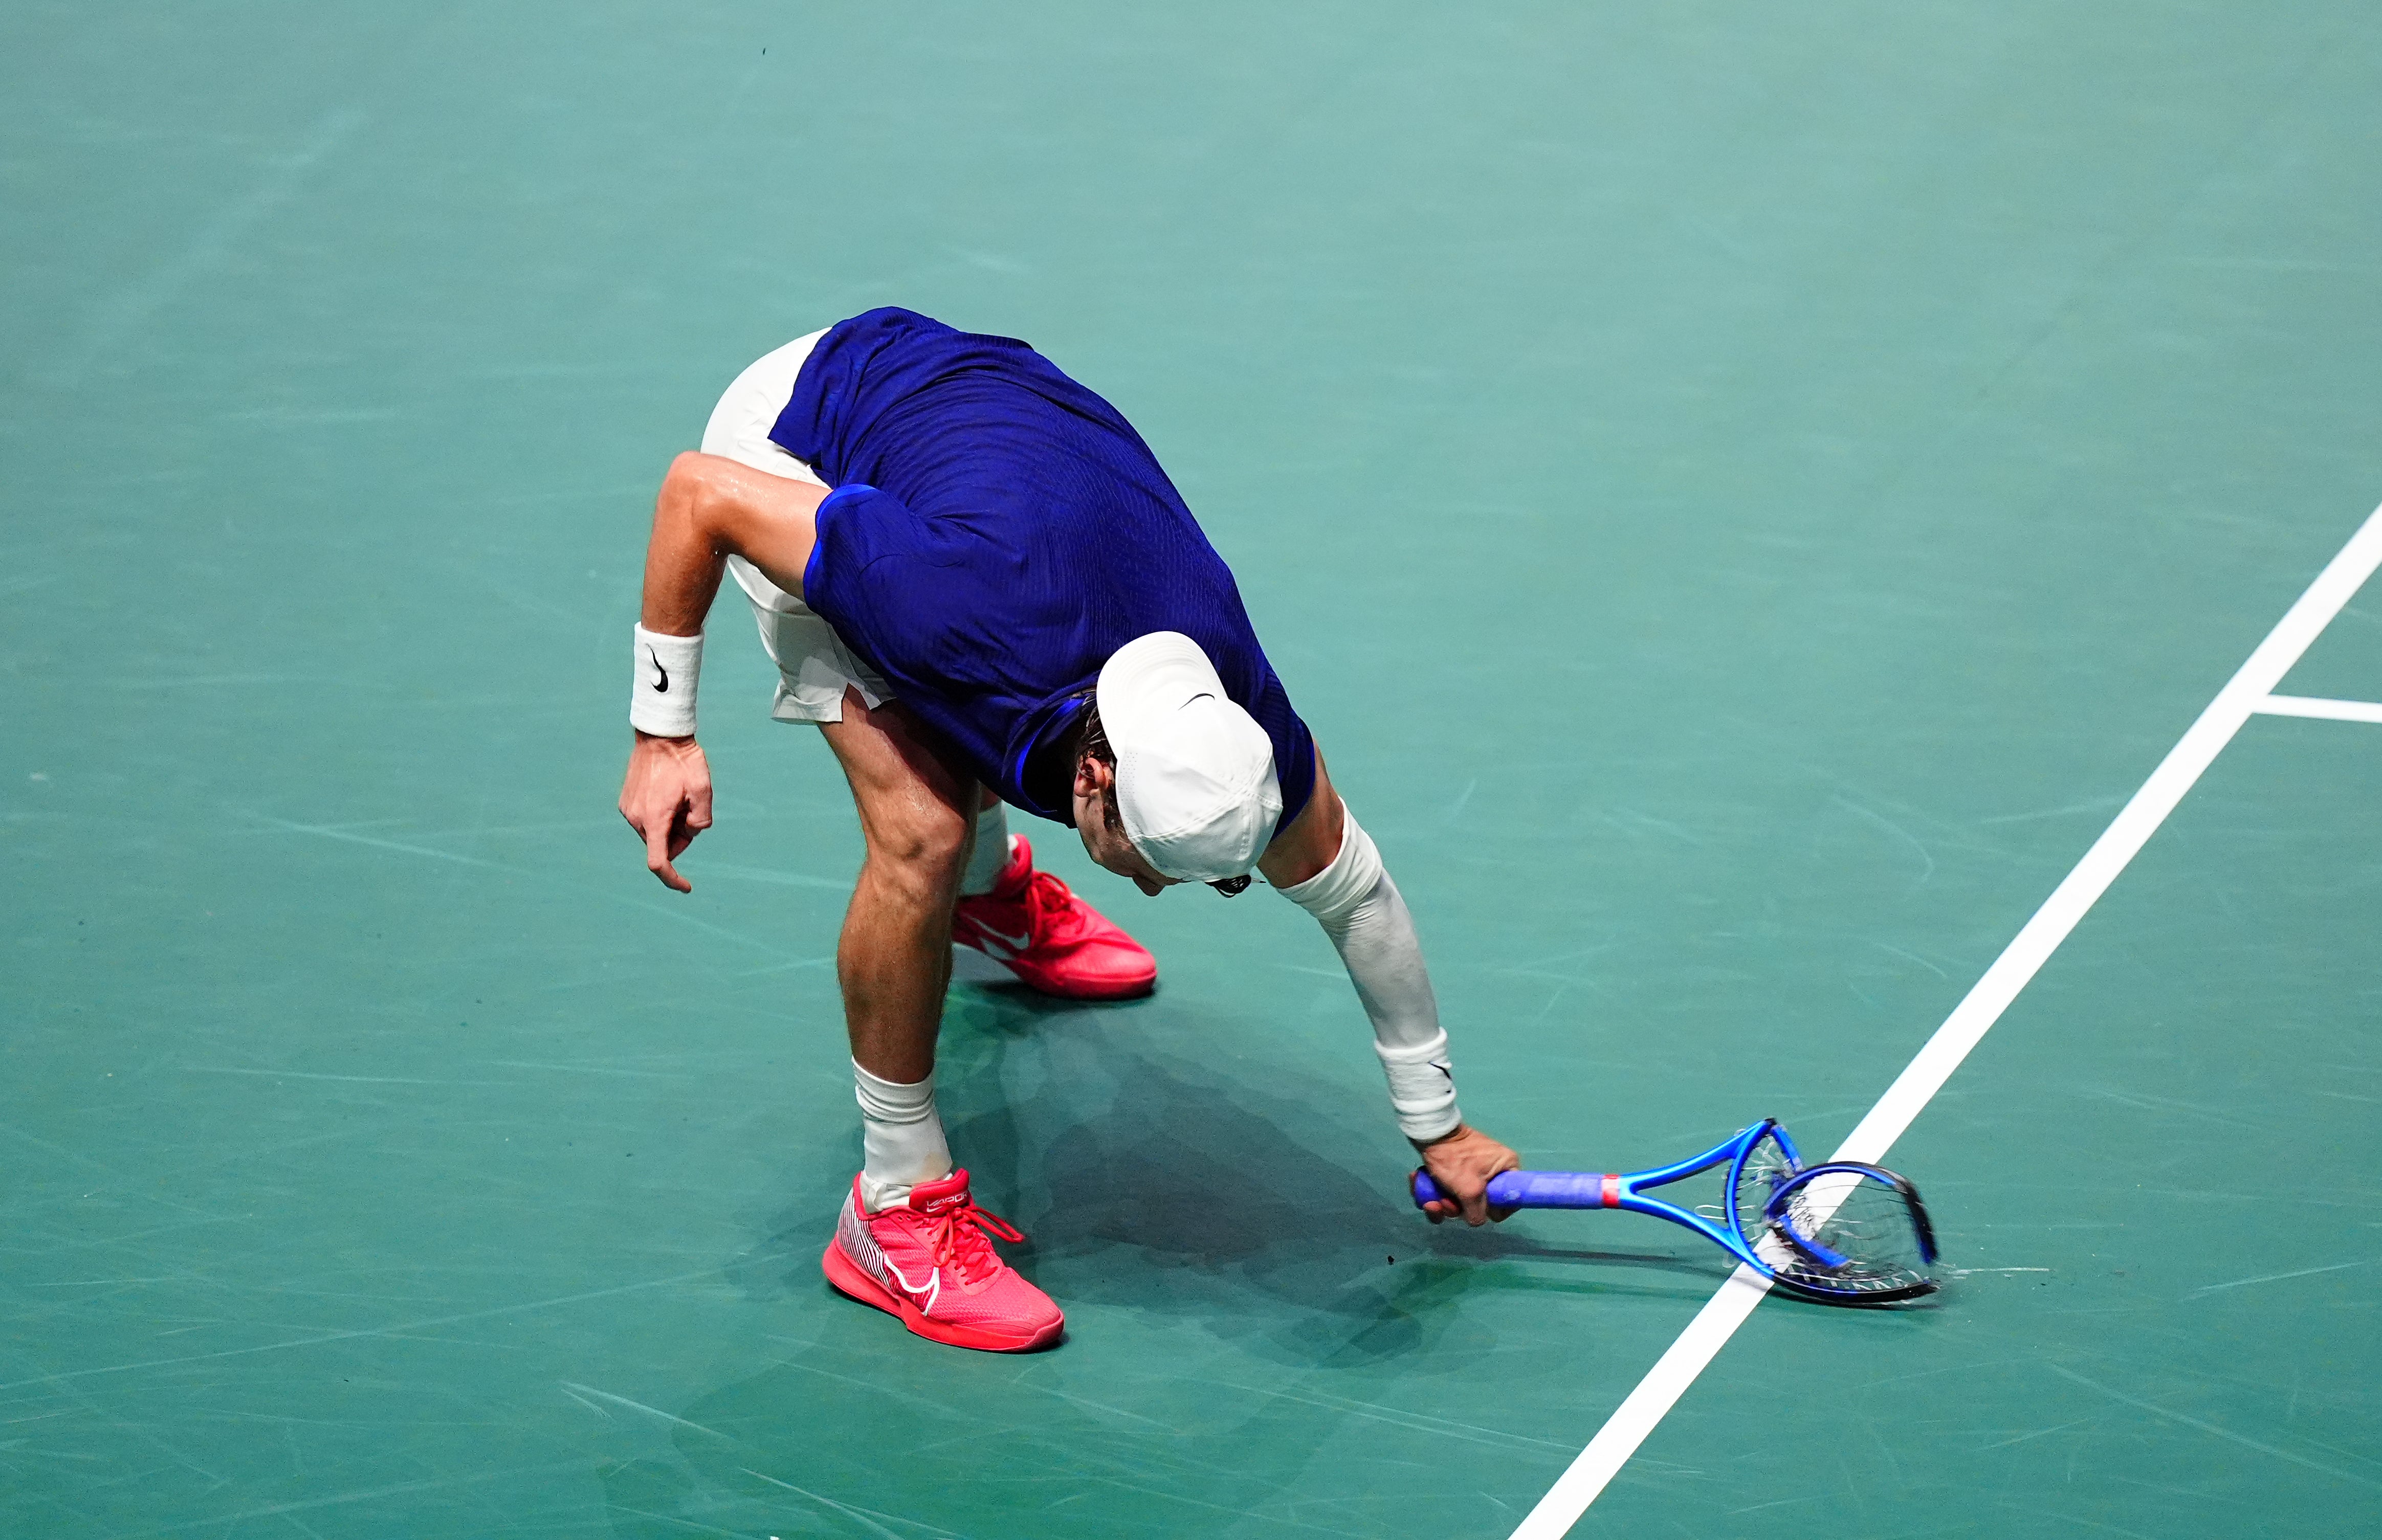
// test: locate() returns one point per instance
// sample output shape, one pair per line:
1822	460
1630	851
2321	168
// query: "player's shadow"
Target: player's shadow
1158	1163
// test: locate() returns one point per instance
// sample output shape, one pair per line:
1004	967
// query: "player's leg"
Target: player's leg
911	1239
1038	928
917	812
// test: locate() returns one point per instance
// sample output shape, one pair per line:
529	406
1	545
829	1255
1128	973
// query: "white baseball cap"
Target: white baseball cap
1195	778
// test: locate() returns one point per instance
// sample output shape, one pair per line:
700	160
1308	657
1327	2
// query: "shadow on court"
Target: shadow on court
1220	1330
1230	1334
1148	1181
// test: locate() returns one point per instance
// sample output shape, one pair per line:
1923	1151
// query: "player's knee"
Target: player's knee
920	851
686	489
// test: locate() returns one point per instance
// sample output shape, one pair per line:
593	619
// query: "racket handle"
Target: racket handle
1536	1190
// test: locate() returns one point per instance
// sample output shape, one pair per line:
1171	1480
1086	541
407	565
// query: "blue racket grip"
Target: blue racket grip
1534	1190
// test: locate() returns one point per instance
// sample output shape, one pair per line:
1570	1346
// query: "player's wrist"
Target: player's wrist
664	674
1461	1131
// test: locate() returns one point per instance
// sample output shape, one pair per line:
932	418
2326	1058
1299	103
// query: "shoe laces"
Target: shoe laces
1050	908
956	1240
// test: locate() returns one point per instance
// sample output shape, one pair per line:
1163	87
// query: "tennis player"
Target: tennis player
974	577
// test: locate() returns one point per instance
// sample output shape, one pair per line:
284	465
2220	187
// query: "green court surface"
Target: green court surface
1742	493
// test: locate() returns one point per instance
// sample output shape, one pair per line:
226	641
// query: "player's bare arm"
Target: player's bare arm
709	509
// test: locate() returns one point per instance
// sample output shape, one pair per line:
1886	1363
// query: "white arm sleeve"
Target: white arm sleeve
1359	909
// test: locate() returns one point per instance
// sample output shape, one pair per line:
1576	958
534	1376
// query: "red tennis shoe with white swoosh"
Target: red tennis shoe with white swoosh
926	1259
1033	924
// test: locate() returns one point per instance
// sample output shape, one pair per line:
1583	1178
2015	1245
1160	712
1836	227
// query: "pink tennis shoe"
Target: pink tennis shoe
926	1258
1033	924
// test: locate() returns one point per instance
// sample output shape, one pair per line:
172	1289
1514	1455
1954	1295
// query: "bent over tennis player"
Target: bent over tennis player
974	579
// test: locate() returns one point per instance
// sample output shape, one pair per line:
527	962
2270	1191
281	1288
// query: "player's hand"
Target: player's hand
667	798
1461	1163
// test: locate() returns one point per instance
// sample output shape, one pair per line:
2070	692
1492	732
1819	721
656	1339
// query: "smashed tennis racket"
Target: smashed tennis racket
1841	1232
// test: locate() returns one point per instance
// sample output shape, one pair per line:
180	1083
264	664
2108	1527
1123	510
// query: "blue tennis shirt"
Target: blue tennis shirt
995	532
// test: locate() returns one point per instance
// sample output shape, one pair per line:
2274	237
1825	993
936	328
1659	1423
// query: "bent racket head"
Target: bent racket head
1846	1233
1765	1162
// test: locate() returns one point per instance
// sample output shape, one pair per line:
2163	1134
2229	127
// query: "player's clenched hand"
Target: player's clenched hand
1461	1163
667	798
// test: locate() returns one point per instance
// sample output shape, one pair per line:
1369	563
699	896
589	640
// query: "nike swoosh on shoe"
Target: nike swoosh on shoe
924	1296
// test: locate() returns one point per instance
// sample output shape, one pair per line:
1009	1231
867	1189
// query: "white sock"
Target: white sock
900	1135
992	852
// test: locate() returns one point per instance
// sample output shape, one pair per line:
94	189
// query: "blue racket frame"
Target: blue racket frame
1628	1190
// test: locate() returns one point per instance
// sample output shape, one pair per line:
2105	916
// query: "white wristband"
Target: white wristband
1422	1089
661	700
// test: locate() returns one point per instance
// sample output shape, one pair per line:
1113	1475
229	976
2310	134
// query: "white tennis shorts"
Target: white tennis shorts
813	665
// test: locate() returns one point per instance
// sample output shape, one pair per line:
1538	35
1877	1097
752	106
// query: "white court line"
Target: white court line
2249	691
2329	711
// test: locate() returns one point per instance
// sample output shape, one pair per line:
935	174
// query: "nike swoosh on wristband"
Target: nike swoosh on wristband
663	688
